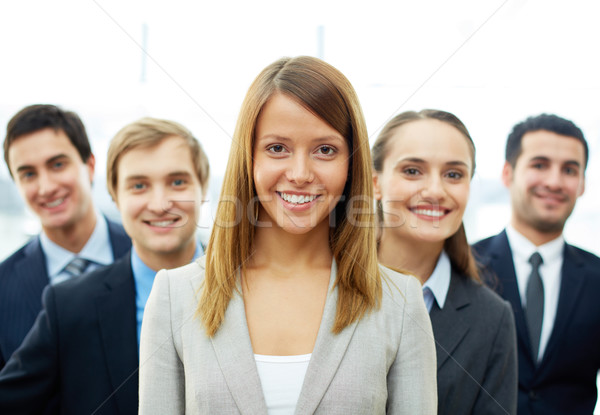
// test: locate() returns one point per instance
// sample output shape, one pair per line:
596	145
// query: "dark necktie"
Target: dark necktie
534	311
76	267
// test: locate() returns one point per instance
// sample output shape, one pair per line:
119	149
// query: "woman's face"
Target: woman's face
300	166
424	185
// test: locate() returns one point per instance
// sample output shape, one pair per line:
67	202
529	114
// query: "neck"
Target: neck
535	236
74	236
277	249
167	260
408	256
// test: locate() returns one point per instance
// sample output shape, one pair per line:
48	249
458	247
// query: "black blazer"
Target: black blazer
476	351
83	347
564	382
23	277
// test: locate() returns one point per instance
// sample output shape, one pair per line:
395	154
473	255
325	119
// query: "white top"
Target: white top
281	378
552	255
97	250
437	285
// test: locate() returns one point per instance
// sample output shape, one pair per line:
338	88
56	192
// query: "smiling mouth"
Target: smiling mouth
297	199
434	213
162	223
54	203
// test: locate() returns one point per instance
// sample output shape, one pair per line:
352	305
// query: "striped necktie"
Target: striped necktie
76	267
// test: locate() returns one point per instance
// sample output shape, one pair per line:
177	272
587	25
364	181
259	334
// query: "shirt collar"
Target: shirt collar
522	248
439	281
97	249
144	275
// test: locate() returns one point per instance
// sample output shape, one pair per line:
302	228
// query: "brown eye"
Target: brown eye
326	150
277	148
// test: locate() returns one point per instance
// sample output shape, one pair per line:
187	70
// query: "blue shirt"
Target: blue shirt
97	250
436	287
143	277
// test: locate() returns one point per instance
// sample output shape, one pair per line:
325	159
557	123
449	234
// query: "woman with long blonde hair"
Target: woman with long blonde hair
289	312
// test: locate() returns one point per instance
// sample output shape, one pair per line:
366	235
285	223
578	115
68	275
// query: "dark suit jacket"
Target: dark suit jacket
476	351
564	381
23	277
82	347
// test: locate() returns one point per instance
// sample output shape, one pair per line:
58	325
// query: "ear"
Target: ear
507	174
376	187
91	166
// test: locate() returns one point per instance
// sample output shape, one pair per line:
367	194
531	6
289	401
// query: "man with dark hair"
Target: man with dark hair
82	350
553	286
49	156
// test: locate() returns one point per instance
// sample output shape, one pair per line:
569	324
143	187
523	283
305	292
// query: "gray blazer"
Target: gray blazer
476	351
385	363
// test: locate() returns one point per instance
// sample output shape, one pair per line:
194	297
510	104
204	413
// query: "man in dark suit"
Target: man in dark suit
48	154
83	347
553	287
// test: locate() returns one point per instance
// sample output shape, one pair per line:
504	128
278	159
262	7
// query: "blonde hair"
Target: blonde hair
327	93
456	246
147	132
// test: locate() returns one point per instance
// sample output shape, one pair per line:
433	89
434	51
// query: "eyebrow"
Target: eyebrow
318	139
546	159
172	174
421	161
49	161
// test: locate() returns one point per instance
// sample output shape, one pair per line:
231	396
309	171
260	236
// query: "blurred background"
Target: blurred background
492	63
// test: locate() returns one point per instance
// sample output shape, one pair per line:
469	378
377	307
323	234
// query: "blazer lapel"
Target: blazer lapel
572	281
233	349
327	354
118	329
501	260
448	326
32	271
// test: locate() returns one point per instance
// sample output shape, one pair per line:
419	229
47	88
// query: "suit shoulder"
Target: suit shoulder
90	283
6	266
586	256
12	258
26	249
180	279
483	245
399	288
117	229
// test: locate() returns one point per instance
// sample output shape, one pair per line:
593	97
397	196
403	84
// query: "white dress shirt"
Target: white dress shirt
437	285
550	270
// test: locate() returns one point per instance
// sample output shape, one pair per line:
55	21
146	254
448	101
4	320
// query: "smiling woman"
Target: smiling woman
300	166
423	165
293	315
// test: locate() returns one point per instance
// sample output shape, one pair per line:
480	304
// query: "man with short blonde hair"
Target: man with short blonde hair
85	341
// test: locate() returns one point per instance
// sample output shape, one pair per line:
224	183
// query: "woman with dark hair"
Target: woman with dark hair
423	164
289	312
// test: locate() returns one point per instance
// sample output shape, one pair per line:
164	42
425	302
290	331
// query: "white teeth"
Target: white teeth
163	223
429	212
297	199
55	203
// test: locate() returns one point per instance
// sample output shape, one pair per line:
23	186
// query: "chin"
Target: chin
432	237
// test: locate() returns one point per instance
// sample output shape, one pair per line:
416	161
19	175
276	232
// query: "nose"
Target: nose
300	170
46	184
554	178
434	188
160	200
